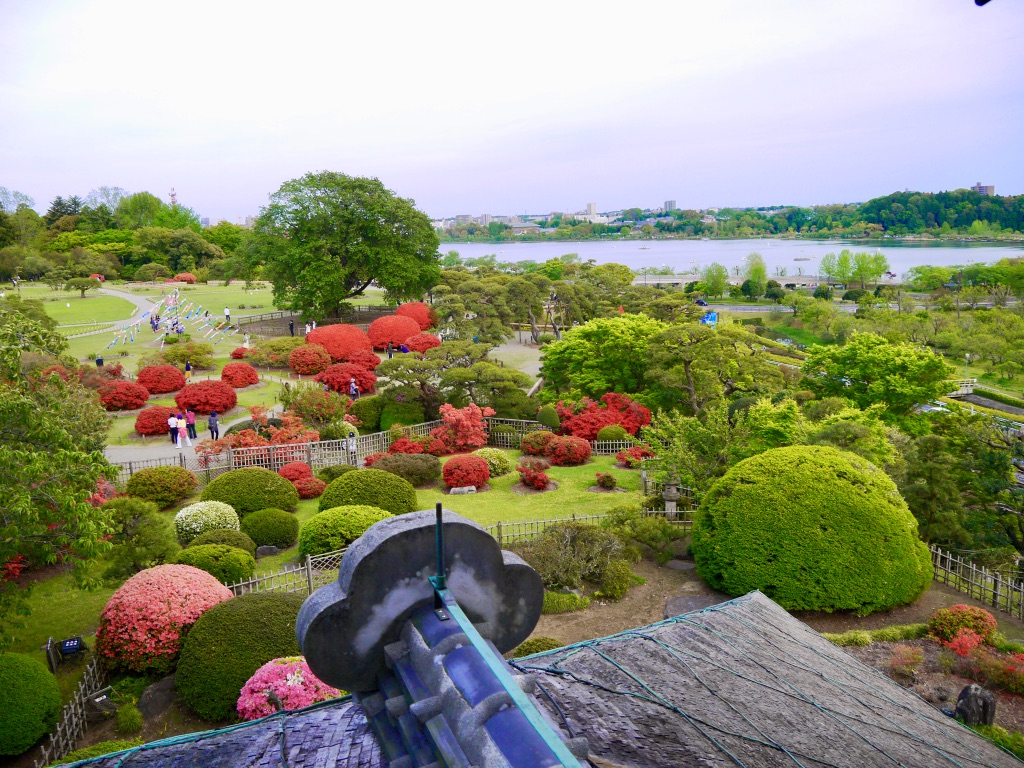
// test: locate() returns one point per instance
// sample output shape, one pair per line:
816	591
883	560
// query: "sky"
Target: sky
502	108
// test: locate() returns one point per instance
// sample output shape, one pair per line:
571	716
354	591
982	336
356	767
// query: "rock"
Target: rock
463	490
976	706
680	565
680	604
266	551
157	698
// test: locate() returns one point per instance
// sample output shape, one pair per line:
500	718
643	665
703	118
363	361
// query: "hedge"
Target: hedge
231	538
416	468
238	375
564	602
229	643
251	488
536	645
406	413
153	420
814	528
372	487
340	340
162	485
31	702
272	528
309	359
466	470
367	410
227	564
337	527
159	379
207	396
393	328
499	463
999	397
122	395
274	353
333	472
196	519
424	315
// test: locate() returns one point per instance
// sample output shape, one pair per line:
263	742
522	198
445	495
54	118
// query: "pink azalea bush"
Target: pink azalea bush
144	622
290	679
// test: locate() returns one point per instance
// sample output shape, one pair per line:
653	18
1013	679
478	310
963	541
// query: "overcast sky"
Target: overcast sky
519	107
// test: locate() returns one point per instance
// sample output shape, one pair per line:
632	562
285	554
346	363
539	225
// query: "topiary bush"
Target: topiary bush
239	353
309	359
814	528
339	377
372	487
199	353
153	420
185	277
294	470
466	470
367	410
289	679
229	643
163	486
568	451
226	536
251	488
337	527
536	645
274	353
533	477
418	469
122	395
363	359
393	328
309	487
203	516
142	626
548	417
159	379
238	375
424	315
271	528
31	702
499	463
405	413
340	340
421	342
327	474
207	396
535	443
612	432
946	623
229	565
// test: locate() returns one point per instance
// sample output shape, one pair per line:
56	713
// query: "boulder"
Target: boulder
976	706
157	698
266	550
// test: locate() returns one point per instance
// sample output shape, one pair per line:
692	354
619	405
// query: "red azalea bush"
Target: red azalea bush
406	444
144	622
338	376
965	641
207	396
104	492
945	623
586	418
309	359
462	471
159	379
313	404
393	328
185	277
239	375
421	342
373	458
295	470
534	462
424	316
999	671
123	395
362	358
340	341
533	478
153	420
58	370
606	480
536	443
464	429
568	451
238	353
632	457
309	487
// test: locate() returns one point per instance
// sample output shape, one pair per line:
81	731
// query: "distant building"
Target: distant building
204	222
463	218
984	189
486	218
591	209
708	219
670	205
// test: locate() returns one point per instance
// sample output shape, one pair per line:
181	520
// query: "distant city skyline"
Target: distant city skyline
503	109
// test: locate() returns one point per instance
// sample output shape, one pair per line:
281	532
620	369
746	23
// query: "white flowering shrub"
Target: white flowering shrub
204	516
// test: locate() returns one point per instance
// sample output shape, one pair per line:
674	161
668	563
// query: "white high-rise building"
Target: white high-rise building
591	209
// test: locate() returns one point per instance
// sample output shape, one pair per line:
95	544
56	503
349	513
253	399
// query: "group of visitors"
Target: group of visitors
182	426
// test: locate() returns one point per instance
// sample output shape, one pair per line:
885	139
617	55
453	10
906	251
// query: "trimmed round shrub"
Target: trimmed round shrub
568	451
207	396
370	487
291	680
238	353
199	353
536	645
185	277
424	315
226	536
309	487
31	702
418	468
159	379
367	410
548	417
309	359
362	358
153	420
405	413
327	474
499	463
228	565
238	375
462	471
294	470
421	342
340	341
946	623
144	622
337	527
612	432
122	395
272	528
854	294
814	528
162	485
339	376
229	643
535	443
251	488
204	516
393	328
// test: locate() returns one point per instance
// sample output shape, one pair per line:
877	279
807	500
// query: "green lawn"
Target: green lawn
69	308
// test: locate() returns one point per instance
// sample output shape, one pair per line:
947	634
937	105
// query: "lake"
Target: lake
795	256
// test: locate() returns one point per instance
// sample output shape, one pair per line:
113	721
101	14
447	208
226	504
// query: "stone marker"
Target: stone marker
976	706
463	490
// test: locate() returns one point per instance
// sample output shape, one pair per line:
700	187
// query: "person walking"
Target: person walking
183	431
172	428
291	327
308	329
391	350
227	315
188	371
314	325
353	390
214	426
190	423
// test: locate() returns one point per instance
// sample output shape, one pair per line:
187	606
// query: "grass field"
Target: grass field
69	308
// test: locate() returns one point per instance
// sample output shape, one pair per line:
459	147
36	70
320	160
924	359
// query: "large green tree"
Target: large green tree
325	237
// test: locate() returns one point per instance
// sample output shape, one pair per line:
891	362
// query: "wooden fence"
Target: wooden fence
74	717
978	582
